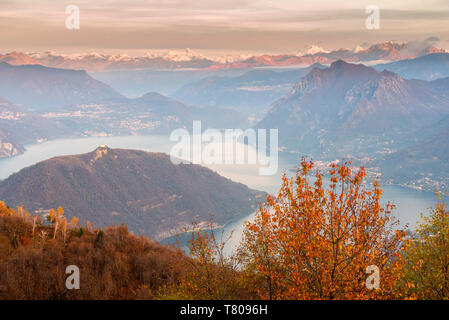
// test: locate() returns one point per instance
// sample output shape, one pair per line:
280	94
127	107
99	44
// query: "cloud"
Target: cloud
232	24
414	47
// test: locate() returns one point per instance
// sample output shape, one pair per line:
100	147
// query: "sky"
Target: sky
246	26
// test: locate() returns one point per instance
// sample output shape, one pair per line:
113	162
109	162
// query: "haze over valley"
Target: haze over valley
374	113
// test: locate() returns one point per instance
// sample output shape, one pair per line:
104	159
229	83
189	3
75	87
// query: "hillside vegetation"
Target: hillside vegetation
114	264
310	242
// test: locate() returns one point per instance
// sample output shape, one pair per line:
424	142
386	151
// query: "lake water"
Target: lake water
410	203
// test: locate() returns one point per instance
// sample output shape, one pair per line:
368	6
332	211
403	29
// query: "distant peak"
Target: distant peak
151	94
388	73
154	96
341	65
312	50
339	62
316	65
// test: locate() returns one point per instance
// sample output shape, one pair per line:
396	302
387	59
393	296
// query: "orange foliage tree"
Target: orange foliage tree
209	273
312	242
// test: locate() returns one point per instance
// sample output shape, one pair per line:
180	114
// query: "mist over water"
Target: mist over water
409	203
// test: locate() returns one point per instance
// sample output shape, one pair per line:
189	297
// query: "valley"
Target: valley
410	203
265	153
343	111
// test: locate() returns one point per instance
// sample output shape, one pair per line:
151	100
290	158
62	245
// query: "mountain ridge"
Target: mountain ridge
334	107
43	88
428	67
386	51
250	93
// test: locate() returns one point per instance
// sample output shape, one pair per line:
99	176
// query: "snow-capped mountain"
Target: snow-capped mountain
386	52
187	58
313	49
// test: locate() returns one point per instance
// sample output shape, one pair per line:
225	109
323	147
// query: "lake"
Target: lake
410	203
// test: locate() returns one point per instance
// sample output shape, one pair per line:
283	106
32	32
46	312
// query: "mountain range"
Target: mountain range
387	51
398	127
254	91
145	190
353	110
428	67
51	102
41	88
136	83
152	113
344	110
251	93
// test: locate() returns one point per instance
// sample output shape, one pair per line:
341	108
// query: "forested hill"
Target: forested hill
145	190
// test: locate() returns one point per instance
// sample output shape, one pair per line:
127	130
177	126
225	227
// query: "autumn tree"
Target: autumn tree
313	242
426	257
13	223
209	273
56	219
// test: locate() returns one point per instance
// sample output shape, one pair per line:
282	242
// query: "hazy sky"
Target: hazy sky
224	26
